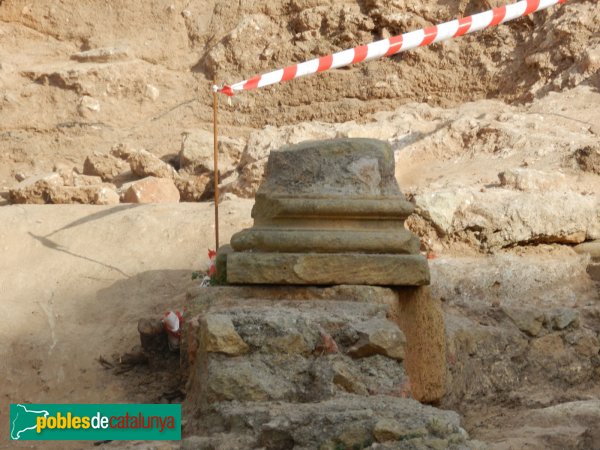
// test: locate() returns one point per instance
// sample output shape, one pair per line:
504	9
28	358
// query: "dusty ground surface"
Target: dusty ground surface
74	279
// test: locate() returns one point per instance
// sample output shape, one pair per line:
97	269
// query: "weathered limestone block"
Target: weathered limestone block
145	164
196	154
85	180
151	190
335	167
329	212
421	319
327	269
391	430
193	188
379	337
219	336
528	320
35	189
104	165
97	194
50	188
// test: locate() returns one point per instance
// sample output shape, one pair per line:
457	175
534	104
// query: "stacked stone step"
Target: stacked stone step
305	367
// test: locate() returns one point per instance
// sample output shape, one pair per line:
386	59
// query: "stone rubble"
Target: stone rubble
258	369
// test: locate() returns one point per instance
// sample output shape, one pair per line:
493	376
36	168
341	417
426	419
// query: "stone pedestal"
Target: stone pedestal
329	212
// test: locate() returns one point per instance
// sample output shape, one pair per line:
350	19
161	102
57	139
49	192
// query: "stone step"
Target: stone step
308	344
294	240
347	421
327	269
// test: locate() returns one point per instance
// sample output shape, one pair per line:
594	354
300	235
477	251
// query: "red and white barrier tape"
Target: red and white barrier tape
393	45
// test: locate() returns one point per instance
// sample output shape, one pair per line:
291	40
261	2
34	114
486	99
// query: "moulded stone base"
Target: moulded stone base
326	269
395	241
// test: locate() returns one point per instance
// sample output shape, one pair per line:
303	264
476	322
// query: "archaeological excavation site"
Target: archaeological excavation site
300	224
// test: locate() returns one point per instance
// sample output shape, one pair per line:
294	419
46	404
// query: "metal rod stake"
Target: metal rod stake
216	165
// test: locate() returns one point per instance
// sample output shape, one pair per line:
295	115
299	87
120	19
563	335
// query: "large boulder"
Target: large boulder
498	218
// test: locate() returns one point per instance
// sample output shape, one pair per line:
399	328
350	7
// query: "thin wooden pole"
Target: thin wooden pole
216	164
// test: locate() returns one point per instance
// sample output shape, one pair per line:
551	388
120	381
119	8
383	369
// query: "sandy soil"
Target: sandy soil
74	280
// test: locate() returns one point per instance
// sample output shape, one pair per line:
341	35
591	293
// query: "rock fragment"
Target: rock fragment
88	104
218	335
193	188
66	172
345	379
152	92
104	165
152	190
588	159
145	164
527	320
391	430
122	151
531	180
562	318
102	55
197	153
378	337
592	248
97	194
35	189
85	180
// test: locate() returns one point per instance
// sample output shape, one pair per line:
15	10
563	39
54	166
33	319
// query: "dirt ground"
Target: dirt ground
74	282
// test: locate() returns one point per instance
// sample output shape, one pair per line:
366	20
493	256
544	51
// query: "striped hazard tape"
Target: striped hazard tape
393	45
